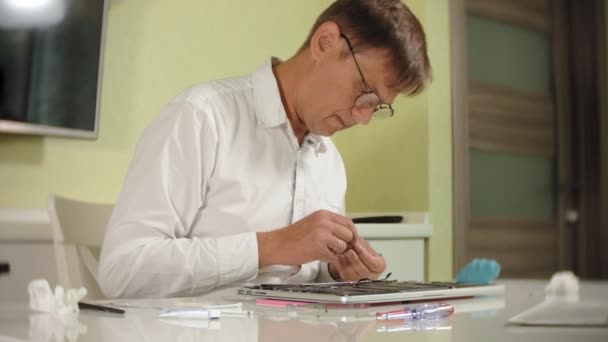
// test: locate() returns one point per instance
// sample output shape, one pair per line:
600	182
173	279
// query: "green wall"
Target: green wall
387	161
156	48
440	162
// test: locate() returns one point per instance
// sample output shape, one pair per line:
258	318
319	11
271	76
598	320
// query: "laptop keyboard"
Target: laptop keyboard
366	287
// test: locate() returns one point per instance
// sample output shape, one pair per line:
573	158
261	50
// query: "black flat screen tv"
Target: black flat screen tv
50	66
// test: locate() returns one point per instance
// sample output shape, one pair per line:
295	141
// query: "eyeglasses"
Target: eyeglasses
369	99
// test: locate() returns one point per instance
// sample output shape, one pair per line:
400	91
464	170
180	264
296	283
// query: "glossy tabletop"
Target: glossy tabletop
480	319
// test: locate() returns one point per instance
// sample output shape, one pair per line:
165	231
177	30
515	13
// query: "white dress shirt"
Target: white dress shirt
220	163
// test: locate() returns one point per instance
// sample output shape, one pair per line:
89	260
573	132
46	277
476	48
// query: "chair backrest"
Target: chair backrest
78	232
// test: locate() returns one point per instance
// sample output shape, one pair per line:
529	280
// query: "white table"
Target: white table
475	320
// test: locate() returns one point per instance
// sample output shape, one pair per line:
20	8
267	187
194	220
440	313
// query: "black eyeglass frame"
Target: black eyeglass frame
379	106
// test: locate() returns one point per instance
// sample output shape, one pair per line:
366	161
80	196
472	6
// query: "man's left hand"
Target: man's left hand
359	262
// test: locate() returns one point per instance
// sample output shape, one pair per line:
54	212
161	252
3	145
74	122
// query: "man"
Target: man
236	180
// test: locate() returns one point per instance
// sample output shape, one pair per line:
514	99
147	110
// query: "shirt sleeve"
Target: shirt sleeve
148	251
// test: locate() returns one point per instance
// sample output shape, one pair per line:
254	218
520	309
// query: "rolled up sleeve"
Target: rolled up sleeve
148	251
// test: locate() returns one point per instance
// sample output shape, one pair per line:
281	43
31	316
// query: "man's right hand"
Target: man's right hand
322	235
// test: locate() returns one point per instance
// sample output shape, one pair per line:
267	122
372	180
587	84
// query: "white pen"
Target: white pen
200	313
190	313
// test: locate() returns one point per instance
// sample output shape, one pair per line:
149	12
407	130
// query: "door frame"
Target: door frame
460	135
603	112
461	143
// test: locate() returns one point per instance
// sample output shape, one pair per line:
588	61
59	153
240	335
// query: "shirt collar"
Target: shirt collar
269	107
267	97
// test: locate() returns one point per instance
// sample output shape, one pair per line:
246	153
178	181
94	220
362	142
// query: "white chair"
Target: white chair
78	232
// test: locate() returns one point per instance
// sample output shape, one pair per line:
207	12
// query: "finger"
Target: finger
357	265
347	271
348	223
365	244
349	245
327	254
374	262
343	220
338	246
335	270
341	232
343	271
329	257
341	247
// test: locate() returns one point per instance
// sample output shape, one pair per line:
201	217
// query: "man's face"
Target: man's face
327	101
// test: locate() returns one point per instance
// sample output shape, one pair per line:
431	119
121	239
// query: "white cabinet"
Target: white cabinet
26	244
28	260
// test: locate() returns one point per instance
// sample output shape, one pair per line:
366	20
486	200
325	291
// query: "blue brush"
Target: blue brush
479	271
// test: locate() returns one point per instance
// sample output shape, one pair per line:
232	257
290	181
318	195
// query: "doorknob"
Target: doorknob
571	216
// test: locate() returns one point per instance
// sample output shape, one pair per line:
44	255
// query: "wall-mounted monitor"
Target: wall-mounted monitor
50	66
